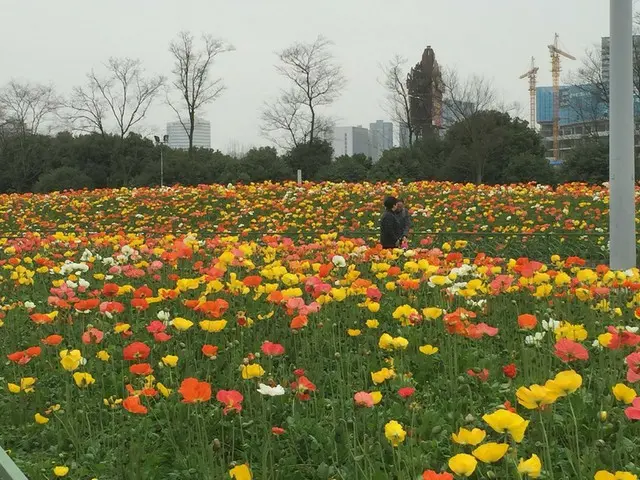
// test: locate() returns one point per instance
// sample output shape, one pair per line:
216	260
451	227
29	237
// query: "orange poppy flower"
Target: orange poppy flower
194	391
33	351
40	318
527	321
214	309
52	340
252	281
20	357
139	303
299	322
89	304
209	350
132	404
141	369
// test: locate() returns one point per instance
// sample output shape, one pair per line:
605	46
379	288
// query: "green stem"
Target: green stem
546	447
575	426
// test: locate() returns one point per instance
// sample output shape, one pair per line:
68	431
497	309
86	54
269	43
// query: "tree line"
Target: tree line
488	147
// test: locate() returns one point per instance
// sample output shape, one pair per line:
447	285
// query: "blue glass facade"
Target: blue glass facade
578	104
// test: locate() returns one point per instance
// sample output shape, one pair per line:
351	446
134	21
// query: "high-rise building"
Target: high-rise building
425	87
179	139
350	141
403	136
583	112
381	138
456	111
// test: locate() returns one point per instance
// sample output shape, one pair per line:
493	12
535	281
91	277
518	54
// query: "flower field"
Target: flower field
258	332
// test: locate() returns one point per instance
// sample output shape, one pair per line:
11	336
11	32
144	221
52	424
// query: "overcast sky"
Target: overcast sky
60	41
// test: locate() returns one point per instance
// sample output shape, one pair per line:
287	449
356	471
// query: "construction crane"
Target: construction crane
532	74
555	52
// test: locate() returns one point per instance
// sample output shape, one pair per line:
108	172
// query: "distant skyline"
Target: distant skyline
59	42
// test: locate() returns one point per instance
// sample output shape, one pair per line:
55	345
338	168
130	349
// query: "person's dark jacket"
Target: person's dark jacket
390	230
404	219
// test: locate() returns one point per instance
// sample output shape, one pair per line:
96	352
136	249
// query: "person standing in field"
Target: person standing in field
404	219
390	229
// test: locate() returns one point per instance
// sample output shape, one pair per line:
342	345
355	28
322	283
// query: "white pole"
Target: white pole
622	234
161	166
299	177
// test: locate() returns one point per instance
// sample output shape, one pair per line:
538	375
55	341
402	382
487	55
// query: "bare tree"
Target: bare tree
468	102
316	81
192	77
27	106
124	94
589	78
398	100
87	109
466	97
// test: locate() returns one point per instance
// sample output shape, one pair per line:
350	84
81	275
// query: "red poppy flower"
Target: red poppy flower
363	399
277	430
93	335
302	387
633	366
232	399
143	292
633	412
110	289
622	338
132	404
432	475
161	337
272	349
141	369
482	375
194	391
406	392
156	327
136	351
298	372
510	371
374	294
568	350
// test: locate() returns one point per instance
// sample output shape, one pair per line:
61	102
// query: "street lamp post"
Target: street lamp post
622	214
162	143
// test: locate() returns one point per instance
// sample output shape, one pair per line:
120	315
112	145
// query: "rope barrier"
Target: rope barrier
297	233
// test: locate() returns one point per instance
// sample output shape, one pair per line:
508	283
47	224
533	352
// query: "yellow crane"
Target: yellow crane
556	53
532	74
